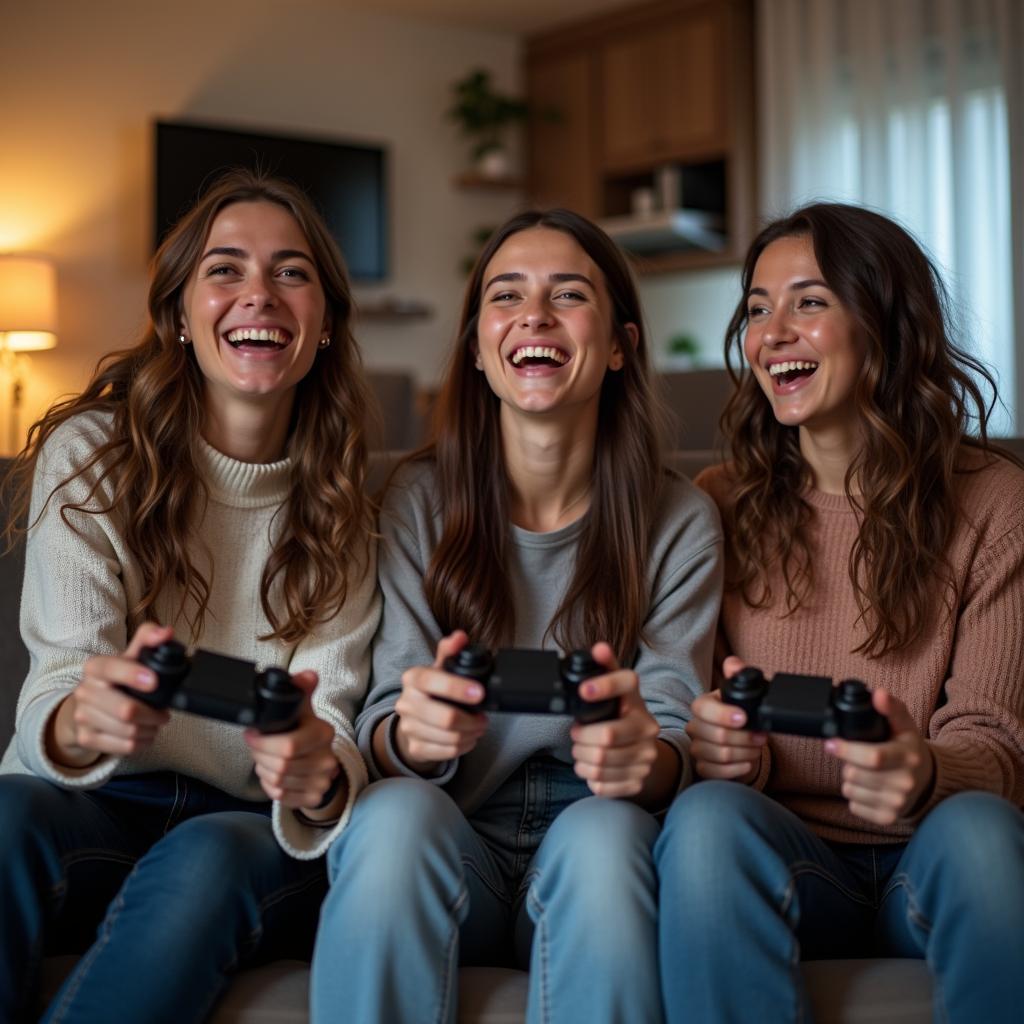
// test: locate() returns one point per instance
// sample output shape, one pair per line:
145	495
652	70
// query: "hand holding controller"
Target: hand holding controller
802	705
217	686
532	682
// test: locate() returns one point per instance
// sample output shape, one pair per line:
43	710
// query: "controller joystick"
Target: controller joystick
802	705
217	686
532	682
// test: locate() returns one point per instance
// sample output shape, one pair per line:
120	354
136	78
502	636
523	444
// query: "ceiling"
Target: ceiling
520	17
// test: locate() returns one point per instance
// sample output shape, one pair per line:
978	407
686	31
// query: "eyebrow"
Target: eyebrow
811	282
281	254
553	278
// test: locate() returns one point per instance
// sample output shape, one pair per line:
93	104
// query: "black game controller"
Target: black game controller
806	706
536	682
216	686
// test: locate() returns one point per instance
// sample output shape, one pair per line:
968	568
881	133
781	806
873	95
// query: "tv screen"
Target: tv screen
347	182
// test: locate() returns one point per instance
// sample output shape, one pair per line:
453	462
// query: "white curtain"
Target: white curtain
916	109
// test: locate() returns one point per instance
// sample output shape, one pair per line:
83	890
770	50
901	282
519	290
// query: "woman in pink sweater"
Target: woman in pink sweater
871	532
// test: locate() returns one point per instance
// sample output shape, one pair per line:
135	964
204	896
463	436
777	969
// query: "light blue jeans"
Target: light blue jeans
747	891
542	876
167	884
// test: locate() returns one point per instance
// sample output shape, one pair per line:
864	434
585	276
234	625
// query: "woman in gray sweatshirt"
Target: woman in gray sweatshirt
541	516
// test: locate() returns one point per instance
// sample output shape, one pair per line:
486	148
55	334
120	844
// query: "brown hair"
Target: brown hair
466	581
154	392
917	397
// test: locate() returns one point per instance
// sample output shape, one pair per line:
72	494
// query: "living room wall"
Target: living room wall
81	83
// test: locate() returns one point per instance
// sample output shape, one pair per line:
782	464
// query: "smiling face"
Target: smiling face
800	341
254	308
545	335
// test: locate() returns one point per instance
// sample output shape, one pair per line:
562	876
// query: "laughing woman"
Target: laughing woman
541	516
210	480
869	534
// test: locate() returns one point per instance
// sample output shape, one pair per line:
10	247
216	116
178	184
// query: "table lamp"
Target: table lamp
28	323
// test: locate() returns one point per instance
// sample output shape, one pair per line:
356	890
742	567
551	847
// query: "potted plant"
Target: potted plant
683	350
484	115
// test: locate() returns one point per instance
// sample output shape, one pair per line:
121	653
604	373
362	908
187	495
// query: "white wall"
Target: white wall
81	82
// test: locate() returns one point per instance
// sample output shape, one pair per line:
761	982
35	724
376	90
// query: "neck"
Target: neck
249	431
830	453
550	466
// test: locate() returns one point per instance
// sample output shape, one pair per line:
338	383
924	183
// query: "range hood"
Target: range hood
667	230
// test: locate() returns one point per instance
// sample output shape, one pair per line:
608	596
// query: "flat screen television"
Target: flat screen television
347	182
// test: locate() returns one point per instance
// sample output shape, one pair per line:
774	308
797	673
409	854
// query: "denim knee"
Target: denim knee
595	861
401	834
975	841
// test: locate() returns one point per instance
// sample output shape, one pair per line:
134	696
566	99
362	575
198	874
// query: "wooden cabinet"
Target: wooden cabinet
662	91
562	131
653	94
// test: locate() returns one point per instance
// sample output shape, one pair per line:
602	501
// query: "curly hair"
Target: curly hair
154	392
920	405
467	582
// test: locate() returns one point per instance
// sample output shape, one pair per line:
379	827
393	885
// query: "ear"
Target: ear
477	361
617	360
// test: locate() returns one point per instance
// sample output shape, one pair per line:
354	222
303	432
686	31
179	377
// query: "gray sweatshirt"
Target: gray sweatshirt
685	573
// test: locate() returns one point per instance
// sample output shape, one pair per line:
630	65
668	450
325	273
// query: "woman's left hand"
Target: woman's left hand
296	767
615	757
883	782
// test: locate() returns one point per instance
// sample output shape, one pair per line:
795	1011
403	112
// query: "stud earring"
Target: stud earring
182	340
324	343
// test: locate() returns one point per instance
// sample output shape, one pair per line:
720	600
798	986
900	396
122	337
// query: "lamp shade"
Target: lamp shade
28	303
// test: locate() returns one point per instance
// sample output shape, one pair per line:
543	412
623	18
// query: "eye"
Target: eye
756	310
810	302
221	270
295	273
503	297
572	295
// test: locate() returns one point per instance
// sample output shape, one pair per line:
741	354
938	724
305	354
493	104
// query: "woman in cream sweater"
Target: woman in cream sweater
207	485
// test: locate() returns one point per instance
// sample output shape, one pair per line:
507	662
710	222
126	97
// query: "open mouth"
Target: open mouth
786	373
538	355
258	337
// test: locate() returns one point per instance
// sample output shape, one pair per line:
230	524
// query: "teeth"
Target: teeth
776	368
539	352
278	337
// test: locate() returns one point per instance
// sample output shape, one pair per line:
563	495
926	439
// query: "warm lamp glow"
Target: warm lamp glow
28	303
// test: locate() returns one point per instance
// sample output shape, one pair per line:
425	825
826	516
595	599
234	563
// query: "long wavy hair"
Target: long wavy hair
467	582
154	393
920	406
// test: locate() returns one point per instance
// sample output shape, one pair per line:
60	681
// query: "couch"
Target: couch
882	991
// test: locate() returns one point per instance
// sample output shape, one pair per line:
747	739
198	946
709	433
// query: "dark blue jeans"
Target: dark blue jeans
747	891
167	885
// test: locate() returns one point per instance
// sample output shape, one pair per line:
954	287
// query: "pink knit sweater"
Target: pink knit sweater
963	682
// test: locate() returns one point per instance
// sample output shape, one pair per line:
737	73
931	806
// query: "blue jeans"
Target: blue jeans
543	875
185	883
747	890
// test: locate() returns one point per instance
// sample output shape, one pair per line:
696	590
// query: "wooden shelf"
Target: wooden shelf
470	179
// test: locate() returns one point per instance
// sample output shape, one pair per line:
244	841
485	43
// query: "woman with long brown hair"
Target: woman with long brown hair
872	532
208	485
541	516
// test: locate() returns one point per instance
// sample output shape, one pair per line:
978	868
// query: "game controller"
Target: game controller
806	706
534	682
217	686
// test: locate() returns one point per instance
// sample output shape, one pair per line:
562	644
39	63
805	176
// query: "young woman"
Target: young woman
869	534
207	485
541	516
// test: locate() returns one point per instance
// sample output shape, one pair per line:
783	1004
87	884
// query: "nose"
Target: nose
259	292
535	313
778	328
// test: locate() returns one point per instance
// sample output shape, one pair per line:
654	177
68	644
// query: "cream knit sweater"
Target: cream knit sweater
963	681
80	584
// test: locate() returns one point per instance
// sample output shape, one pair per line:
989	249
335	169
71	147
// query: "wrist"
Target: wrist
60	738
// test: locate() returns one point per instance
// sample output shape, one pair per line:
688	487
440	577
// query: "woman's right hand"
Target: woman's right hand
431	731
97	718
720	745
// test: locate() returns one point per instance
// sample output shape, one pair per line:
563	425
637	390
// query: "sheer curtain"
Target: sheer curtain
915	108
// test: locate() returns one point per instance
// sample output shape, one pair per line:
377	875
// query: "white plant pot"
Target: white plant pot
494	164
